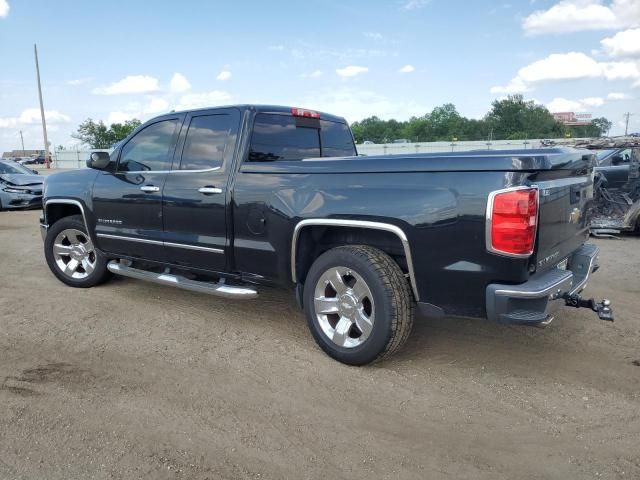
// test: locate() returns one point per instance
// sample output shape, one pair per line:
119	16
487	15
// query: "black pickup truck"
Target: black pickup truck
223	200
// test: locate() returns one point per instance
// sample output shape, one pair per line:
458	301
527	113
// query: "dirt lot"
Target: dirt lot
134	380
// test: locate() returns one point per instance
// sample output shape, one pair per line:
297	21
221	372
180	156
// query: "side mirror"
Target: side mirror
35	172
98	160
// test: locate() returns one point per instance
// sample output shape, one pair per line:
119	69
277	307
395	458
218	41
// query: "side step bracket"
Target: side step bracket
220	289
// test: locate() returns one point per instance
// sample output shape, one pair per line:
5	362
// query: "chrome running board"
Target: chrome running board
220	289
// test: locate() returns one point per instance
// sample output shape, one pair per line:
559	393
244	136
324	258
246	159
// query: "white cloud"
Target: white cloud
4	8
31	116
618	96
277	48
156	105
560	66
8	122
563	105
568	66
130	84
623	44
560	104
179	83
570	16
577	15
356	104
205	99
514	86
351	71
620	70
407	69
120	117
131	110
224	75
592	102
314	74
415	4
78	81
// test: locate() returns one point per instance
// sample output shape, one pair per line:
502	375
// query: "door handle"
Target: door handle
209	190
150	188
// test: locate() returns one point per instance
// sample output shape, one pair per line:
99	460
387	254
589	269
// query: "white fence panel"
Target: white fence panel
73	158
434	147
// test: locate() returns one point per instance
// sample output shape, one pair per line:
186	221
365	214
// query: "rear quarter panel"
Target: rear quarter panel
442	214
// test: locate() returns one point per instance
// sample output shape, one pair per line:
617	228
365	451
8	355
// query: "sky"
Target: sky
117	60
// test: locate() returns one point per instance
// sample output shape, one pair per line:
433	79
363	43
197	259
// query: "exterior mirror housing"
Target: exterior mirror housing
99	160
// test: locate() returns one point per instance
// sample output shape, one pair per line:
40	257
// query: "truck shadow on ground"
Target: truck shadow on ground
472	343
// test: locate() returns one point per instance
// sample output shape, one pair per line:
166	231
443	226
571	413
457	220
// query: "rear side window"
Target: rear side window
285	137
148	150
206	141
336	139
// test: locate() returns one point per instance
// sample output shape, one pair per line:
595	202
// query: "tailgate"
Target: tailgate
566	193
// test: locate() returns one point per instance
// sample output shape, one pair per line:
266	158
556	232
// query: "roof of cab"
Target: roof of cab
266	109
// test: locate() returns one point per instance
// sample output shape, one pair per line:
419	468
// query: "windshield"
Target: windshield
13	168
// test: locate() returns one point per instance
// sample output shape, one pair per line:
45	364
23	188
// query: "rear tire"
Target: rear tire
358	304
71	256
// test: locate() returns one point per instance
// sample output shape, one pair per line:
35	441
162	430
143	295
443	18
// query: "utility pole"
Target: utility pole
22	142
44	123
626	126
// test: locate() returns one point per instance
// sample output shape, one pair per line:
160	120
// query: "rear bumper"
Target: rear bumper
532	302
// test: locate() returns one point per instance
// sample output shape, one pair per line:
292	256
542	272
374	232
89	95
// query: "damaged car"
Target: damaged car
616	198
20	187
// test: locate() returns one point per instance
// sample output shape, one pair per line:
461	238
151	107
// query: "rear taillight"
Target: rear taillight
303	112
512	221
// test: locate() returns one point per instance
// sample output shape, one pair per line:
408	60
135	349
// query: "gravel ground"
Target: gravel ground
134	380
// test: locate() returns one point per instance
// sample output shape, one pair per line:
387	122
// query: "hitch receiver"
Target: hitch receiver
603	308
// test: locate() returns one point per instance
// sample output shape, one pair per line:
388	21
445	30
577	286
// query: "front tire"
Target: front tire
71	256
358	304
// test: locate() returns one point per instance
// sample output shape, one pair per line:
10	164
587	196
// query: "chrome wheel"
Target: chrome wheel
74	254
344	307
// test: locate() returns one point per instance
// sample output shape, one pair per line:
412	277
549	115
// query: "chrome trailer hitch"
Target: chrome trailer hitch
603	308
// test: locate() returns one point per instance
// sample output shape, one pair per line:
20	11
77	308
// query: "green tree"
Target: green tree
512	118
419	129
599	127
446	123
602	125
370	129
98	135
515	118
